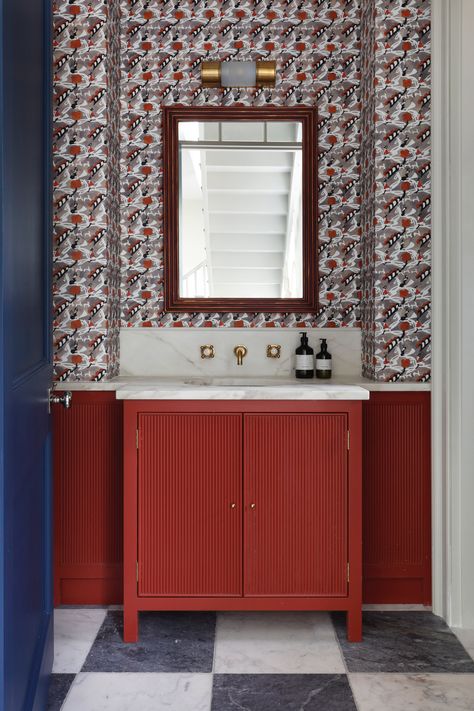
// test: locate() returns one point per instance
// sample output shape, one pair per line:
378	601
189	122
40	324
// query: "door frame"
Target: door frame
453	306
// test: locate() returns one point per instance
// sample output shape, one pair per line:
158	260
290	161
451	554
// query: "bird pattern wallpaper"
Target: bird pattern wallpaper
365	65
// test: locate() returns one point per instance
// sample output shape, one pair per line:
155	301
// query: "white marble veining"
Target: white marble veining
276	643
124	383
171	352
379	386
74	633
89	385
140	692
413	692
234	389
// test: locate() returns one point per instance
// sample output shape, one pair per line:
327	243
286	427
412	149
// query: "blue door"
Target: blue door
25	348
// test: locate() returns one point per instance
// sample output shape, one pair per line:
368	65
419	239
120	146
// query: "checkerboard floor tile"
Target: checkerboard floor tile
174	642
410	642
282	692
409	659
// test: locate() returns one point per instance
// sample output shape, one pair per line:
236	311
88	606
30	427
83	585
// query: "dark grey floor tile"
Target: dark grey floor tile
408	642
282	692
58	687
168	642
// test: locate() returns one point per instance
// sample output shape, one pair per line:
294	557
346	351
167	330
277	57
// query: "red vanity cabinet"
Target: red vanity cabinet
242	505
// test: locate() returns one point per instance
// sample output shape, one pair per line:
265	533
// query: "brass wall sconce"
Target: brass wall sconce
215	75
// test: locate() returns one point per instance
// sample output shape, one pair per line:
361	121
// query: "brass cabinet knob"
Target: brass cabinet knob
232	506
252	506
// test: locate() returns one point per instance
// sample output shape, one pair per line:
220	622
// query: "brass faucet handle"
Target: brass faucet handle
207	351
240	352
273	350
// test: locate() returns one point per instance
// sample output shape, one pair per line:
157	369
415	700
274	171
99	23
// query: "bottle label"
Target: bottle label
322	364
304	362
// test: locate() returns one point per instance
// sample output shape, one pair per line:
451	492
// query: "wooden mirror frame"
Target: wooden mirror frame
307	115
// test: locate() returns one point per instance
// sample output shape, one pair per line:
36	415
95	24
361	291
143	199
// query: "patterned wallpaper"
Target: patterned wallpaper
316	45
397	326
86	274
367	184
321	46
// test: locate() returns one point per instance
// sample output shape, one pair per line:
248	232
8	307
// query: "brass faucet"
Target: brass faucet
240	352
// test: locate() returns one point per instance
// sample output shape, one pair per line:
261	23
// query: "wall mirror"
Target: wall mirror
240	208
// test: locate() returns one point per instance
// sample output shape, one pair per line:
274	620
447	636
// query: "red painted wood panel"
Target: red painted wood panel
87	450
296	505
88	500
189	504
397	498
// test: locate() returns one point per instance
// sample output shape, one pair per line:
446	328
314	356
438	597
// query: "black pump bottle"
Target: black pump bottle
323	362
304	367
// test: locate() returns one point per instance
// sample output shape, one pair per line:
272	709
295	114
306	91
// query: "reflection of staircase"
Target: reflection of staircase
247	207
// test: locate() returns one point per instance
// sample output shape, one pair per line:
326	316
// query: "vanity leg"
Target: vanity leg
354	625
130	625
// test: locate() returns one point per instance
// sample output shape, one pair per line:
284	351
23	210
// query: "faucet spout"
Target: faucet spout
240	353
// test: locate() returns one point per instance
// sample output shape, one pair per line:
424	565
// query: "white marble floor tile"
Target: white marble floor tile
139	692
466	637
413	692
276	643
75	630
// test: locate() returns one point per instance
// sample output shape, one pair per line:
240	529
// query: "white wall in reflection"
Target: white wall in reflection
240	217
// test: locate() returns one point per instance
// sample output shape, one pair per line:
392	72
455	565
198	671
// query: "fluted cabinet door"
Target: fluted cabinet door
189	505
295	472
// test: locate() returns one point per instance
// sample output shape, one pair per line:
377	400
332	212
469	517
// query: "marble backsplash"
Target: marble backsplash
176	352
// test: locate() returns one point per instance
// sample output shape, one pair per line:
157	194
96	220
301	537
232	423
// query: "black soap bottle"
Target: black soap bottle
323	362
304	367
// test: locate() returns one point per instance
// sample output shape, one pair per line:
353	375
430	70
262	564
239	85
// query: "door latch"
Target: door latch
65	399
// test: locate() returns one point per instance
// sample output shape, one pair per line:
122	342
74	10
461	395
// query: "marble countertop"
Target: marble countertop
202	388
235	388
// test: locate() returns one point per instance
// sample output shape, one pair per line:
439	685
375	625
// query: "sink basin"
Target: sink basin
238	382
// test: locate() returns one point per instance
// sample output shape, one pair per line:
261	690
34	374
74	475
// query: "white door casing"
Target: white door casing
453	311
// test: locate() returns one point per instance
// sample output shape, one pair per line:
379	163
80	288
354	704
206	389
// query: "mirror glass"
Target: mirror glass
240	209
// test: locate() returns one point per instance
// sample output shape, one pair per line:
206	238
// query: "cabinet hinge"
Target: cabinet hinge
137	438
348	572
348	439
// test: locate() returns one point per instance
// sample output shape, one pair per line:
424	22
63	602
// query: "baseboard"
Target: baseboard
403	591
89	591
